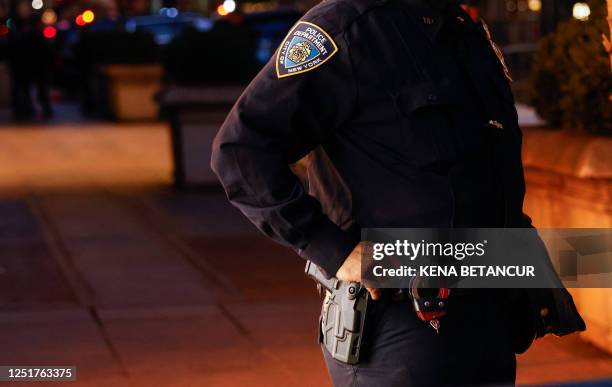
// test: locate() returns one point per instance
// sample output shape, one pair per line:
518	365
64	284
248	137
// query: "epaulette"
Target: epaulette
338	15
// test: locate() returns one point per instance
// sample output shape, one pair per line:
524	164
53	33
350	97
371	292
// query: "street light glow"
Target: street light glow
229	6
535	5
221	10
79	21
88	16
49	16
172	12
63	25
581	11
37	4
49	32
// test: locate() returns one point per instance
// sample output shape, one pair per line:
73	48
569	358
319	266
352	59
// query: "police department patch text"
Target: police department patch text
306	47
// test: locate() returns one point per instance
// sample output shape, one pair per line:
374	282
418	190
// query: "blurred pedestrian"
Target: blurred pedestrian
29	63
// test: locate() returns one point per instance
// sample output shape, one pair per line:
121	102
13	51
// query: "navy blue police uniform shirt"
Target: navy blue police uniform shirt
407	117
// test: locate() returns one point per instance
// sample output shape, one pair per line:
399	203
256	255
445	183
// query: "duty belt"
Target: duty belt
430	304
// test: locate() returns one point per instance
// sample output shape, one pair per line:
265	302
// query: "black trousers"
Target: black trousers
473	347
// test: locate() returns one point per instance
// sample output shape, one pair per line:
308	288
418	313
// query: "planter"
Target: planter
132	90
569	184
195	115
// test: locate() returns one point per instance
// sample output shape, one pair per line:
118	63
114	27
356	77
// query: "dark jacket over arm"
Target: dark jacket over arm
277	121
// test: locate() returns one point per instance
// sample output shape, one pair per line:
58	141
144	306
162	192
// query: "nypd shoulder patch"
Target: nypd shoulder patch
306	47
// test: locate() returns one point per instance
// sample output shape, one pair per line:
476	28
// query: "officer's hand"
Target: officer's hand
350	270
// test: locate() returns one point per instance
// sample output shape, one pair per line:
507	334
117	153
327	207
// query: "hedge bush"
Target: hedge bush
571	84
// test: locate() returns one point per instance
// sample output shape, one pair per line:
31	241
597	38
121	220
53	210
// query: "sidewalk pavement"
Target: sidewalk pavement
105	267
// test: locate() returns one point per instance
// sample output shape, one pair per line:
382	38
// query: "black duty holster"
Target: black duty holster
343	315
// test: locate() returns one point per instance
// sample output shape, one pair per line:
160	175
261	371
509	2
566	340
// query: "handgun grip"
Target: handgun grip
313	271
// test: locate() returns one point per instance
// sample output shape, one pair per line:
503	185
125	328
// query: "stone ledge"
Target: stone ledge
134	72
578	155
594	193
569	184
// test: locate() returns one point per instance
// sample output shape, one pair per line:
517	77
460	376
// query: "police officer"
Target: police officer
405	110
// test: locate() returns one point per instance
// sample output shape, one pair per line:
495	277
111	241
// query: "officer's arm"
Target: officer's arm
277	121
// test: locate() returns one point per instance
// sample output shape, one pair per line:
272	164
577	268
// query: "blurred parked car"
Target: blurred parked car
270	28
165	27
205	73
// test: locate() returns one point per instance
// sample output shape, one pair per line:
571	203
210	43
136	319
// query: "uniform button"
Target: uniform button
432	98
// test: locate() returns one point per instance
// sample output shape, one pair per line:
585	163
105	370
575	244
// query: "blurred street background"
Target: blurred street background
120	254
